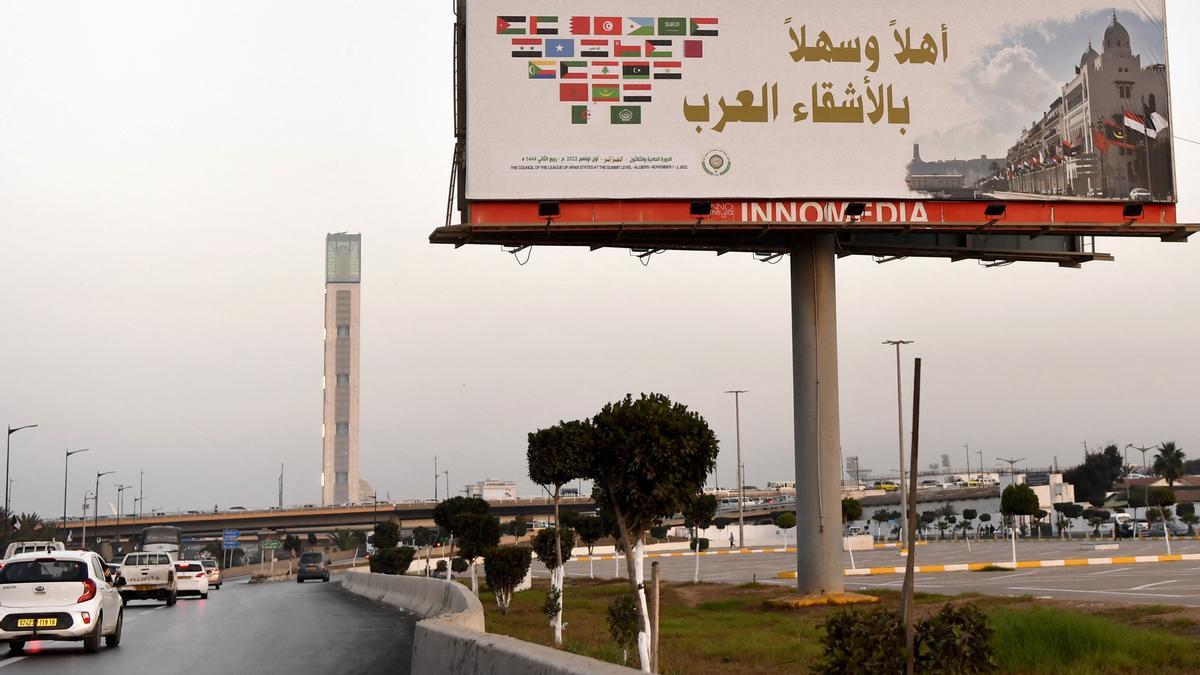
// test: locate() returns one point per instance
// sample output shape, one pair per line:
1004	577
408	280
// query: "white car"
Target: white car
61	595
191	578
19	547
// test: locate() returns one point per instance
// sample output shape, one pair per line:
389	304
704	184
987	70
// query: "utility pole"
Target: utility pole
141	492
446	473
281	485
83	533
980	453
967	449
435	480
737	417
900	422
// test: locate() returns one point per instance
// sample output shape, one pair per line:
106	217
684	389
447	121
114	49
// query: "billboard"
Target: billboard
871	100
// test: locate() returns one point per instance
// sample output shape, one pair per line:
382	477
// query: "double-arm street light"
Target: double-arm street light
96	510
120	507
737	421
7	483
66	463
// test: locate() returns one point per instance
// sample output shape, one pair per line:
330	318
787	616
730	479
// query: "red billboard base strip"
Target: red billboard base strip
1016	217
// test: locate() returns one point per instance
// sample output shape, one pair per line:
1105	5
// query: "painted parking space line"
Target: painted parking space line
1151	585
1021	564
1073	590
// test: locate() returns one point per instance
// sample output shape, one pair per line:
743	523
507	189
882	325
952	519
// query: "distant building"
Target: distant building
493	489
950	178
1082	146
340	483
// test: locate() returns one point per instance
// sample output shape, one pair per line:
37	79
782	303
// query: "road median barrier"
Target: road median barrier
450	637
1008	564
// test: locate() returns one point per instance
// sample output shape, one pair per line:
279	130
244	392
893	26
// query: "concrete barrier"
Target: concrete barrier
450	638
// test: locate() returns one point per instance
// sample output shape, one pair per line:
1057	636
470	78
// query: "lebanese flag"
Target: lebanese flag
1135	122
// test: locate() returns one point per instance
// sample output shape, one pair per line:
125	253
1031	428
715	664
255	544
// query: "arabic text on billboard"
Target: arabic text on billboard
867	100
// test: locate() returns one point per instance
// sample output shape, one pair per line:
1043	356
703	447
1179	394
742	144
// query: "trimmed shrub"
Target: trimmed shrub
703	544
504	568
387	535
543	545
955	640
392	560
623	623
459	565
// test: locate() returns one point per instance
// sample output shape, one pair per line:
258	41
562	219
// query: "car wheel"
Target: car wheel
218	587
299	580
114	640
16	647
204	596
124	601
171	599
92	642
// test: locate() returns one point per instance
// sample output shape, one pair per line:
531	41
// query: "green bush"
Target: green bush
543	545
659	532
392	560
459	565
504	568
387	535
955	640
703	544
623	622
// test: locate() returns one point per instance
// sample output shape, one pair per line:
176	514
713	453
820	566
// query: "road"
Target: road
1173	583
242	628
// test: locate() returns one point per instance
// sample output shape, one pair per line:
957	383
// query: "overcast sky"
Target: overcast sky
168	171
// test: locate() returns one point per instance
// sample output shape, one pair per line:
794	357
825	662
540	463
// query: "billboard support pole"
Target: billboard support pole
815	415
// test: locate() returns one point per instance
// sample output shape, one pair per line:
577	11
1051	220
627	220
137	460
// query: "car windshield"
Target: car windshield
147	559
311	557
42	571
209	563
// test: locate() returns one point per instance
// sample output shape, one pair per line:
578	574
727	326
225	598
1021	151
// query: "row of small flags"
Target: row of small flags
1106	133
566	48
607	25
604	70
1149	125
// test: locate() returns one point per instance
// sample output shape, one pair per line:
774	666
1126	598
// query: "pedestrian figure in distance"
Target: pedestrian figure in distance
730	540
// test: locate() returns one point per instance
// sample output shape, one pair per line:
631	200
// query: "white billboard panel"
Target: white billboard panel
875	99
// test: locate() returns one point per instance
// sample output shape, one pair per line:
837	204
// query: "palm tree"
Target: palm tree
344	540
27	526
1168	463
49	530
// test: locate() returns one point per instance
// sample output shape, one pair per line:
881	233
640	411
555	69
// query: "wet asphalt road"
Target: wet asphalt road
285	627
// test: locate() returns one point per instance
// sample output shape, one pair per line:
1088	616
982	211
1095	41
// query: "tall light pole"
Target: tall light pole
83	532
141	492
737	421
1143	451
435	479
967	449
1147	491
120	507
66	462
281	485
96	509
1011	468
900	421
7	454
446	473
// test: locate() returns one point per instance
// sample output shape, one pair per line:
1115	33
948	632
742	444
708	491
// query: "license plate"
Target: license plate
143	588
51	622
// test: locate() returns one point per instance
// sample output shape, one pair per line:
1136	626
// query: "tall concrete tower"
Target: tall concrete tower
339	453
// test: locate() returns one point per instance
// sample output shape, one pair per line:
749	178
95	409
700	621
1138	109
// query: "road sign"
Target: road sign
272	545
1035	479
231	534
229	544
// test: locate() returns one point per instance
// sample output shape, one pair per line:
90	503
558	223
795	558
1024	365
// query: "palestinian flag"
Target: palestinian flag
635	93
527	48
541	70
510	25
572	91
594	48
658	49
573	70
581	25
672	26
625	114
666	70
620	50
580	114
635	70
606	25
543	25
605	70
704	27
606	92
639	25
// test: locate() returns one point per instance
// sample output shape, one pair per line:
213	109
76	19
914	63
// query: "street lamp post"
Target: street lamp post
900	421
120	507
1012	480
96	509
737	420
1143	451
7	454
83	520
446	473
66	462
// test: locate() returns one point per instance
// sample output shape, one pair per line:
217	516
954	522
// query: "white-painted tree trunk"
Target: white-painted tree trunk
591	562
474	580
644	634
556	581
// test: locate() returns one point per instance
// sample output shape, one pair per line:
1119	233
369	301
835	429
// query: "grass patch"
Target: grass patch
1047	640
